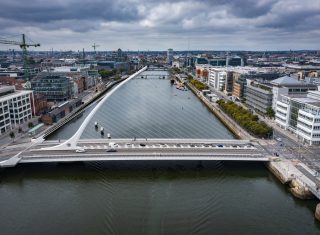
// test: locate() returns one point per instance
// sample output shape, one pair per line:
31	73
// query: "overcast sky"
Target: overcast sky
162	24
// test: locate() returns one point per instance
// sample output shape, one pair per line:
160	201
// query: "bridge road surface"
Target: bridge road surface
149	151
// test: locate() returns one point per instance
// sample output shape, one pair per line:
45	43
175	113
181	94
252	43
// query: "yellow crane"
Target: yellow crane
23	45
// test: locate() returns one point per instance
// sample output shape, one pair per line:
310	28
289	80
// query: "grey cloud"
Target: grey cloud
43	11
140	20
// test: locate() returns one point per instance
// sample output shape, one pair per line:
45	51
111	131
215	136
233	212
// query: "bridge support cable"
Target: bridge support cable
73	141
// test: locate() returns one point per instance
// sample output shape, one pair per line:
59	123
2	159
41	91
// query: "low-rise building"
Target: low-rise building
202	72
61	111
15	107
301	116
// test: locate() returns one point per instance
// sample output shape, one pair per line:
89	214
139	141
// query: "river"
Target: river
150	197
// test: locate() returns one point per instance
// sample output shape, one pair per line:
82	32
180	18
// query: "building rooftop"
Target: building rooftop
308	100
302	67
312	98
9	92
287	81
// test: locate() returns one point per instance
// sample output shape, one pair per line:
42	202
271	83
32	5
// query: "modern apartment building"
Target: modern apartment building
301	116
220	78
15	107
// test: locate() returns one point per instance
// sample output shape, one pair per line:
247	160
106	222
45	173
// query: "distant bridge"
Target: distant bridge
157	69
153	75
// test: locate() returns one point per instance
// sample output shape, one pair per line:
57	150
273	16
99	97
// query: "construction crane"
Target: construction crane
23	45
94	47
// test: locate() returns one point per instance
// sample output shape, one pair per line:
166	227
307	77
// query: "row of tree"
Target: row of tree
246	119
107	73
199	85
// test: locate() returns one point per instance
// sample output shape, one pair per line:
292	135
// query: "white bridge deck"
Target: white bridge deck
144	149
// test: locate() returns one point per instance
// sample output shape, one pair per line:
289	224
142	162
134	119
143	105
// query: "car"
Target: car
111	150
220	145
143	145
279	139
113	145
80	150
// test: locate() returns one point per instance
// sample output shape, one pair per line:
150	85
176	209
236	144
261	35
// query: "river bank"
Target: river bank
299	184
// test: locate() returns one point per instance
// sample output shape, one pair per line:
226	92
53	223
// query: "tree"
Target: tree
176	70
244	118
106	73
270	112
117	77
12	135
30	124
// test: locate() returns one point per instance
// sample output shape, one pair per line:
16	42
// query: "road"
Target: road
102	150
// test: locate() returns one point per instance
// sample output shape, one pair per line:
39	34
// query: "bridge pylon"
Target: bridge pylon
71	143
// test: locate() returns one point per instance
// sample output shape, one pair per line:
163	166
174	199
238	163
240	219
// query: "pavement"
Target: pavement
22	137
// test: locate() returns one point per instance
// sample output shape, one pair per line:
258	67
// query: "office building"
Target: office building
53	87
290	86
15	107
258	96
301	116
169	56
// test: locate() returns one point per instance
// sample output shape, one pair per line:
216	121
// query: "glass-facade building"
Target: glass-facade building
53	87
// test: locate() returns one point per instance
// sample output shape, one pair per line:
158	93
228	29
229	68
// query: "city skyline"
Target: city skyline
153	25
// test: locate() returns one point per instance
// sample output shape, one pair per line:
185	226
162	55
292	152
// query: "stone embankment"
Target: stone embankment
238	131
317	213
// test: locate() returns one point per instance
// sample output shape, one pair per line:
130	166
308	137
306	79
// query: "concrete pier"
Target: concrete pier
299	190
278	170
